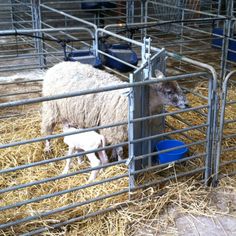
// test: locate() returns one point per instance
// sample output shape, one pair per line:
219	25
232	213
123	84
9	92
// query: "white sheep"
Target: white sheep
100	108
85	141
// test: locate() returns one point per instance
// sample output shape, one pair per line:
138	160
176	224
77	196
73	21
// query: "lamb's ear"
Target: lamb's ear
159	74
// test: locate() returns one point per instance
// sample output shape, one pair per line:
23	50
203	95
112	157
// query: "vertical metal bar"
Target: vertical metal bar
12	15
227	34
182	30
144	10
36	22
145	128
221	128
131	135
130	11
211	121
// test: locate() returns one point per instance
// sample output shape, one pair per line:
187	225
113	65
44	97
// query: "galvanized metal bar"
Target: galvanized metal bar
20	93
224	163
184	121
75	219
221	127
161	166
204	141
164	114
61	209
182	134
85	92
47	196
169	133
189	173
57	159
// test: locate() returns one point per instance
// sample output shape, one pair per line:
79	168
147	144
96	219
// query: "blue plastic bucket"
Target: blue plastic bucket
171	155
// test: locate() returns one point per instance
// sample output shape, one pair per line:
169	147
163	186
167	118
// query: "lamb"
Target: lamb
100	108
85	142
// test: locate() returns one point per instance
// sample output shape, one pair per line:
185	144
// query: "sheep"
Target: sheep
85	141
100	108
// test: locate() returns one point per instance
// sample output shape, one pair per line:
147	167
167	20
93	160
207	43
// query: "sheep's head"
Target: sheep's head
170	93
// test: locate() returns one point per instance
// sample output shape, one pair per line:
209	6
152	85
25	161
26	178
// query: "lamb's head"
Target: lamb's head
170	92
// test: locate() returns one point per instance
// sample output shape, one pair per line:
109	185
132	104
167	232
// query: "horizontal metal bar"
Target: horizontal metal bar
90	91
20	93
117	59
195	93
231	102
13	144
61	209
168	179
29	165
229	121
228	136
20	81
187	123
169	133
184	135
75	219
170	149
227	175
164	114
46	196
227	162
27	31
160	166
69	16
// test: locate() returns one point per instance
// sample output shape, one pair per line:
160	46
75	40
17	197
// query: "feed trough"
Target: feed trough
124	53
85	57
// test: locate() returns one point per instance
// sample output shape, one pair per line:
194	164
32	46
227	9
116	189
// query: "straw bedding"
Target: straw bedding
185	194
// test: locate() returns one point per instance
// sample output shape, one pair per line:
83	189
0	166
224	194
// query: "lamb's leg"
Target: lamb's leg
93	162
68	161
80	158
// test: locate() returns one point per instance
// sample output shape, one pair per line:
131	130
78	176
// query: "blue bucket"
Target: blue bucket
171	155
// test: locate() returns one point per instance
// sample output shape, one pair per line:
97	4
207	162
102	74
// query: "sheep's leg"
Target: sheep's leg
94	162
119	152
49	118
103	157
68	161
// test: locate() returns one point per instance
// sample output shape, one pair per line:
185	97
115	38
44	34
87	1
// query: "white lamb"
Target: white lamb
85	142
97	109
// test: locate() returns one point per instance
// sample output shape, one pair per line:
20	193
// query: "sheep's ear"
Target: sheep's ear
159	74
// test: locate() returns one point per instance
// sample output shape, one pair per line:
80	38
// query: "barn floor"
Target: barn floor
222	222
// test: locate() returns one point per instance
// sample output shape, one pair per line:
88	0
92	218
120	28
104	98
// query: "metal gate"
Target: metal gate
225	161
